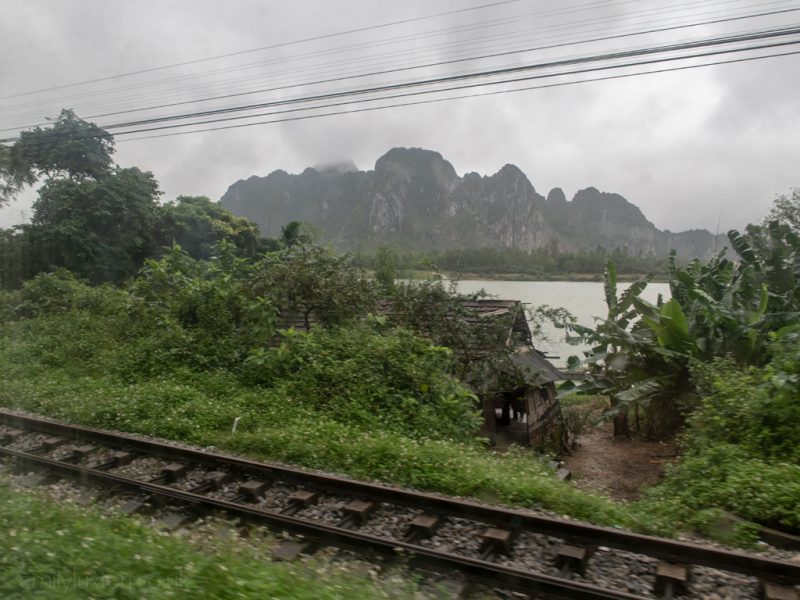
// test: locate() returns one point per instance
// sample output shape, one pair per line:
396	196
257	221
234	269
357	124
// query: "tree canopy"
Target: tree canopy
196	224
70	147
101	230
97	219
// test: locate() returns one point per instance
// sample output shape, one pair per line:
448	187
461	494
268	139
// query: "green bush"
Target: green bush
726	476
757	409
392	380
742	443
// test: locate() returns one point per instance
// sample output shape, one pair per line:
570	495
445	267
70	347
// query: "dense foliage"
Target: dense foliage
182	314
197	224
70	148
643	353
366	398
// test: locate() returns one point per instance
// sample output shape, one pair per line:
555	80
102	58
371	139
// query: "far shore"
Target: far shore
576	277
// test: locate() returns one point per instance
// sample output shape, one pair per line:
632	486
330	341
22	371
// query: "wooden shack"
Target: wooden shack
519	398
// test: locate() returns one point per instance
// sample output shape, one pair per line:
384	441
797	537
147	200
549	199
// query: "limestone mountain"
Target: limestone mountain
414	199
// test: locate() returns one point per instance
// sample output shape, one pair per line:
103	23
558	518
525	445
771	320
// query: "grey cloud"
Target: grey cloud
686	147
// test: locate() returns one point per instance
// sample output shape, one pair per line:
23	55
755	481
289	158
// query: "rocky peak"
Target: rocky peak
556	196
511	171
416	163
595	204
415	199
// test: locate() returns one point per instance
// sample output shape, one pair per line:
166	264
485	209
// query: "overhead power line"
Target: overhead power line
325	52
472	95
446	62
481	84
465	96
723	40
437	85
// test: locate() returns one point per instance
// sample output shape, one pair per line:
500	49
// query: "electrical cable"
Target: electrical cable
362	94
437	64
660	10
475	95
474	85
481	74
478	94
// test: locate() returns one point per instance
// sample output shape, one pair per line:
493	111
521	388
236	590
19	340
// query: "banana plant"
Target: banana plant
641	353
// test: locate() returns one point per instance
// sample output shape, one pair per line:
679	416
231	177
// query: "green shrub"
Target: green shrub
742	444
392	380
727	477
745	407
187	348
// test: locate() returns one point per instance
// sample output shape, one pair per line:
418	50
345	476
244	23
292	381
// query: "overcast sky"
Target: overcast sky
691	148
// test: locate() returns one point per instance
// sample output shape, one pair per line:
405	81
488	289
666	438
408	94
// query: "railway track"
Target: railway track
503	548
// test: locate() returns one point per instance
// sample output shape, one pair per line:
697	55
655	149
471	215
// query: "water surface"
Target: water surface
584	299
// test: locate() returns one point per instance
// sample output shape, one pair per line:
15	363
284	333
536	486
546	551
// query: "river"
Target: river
584	299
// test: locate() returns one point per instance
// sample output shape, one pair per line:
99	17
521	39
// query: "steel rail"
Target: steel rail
778	571
477	570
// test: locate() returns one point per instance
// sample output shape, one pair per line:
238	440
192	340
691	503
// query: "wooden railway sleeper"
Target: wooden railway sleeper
119	458
423	526
48	444
291	549
773	591
12	435
171	473
299	500
672	579
251	491
356	513
571	558
495	541
79	453
213	481
141	505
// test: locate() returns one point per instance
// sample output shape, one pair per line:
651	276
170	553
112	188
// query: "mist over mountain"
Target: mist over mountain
414	199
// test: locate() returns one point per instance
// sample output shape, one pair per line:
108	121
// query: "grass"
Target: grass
200	409
52	551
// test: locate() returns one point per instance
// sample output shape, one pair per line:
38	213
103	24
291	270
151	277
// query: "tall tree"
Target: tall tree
92	217
70	148
99	229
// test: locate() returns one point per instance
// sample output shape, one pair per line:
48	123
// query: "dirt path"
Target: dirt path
617	467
